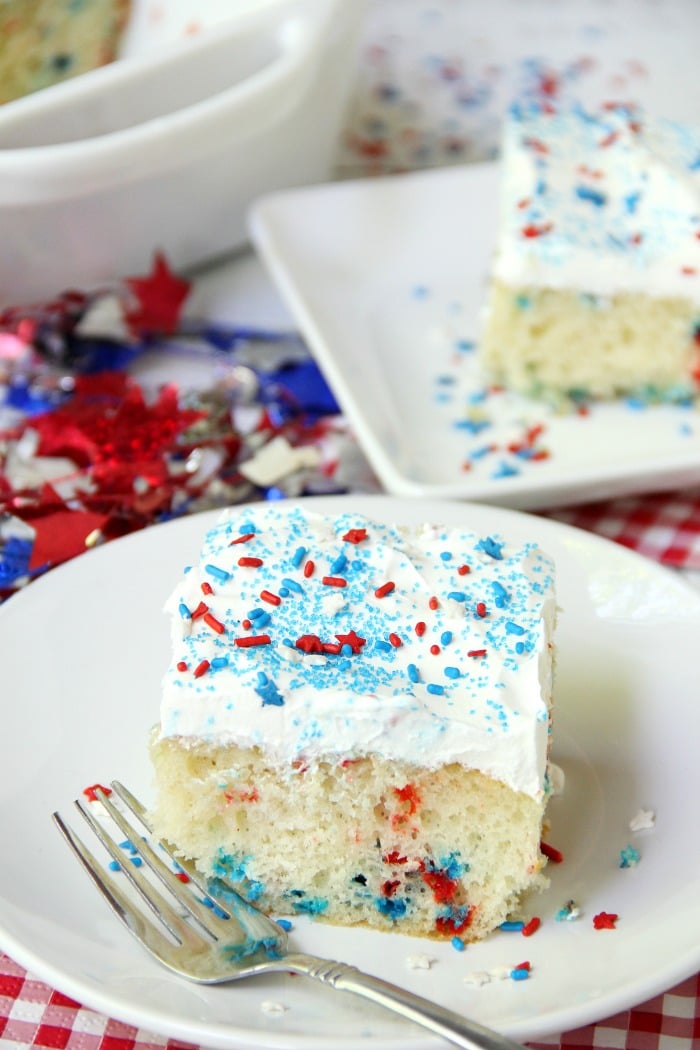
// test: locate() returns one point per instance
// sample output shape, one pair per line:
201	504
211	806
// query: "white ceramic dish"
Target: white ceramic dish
82	651
387	280
167	147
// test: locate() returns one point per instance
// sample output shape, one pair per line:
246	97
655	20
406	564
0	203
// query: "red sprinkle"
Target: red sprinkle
553	854
527	965
395	640
433	603
252	563
481	609
463	570
529	928
91	792
605	920
332	648
242	539
201	669
476	652
309	643
334	581
216	625
181	665
270	598
309	569
355	535
435	649
386	588
531	230
252	639
246	624
201	609
207	588
182	876
420	628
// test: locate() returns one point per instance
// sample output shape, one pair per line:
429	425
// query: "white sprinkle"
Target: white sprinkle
419	962
272	1009
557	779
643	820
500	973
476	979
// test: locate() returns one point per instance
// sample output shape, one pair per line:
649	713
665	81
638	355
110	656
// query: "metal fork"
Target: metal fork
214	935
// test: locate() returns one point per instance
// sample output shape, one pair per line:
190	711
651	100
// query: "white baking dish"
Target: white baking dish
166	148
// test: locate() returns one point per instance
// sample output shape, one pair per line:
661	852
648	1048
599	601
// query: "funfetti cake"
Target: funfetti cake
596	281
355	723
43	42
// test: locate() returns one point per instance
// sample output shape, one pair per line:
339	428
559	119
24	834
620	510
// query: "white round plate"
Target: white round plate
82	652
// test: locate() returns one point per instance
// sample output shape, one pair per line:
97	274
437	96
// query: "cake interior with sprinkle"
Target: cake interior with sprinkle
355	722
595	289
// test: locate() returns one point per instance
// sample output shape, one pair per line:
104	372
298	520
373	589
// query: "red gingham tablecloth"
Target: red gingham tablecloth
34	1015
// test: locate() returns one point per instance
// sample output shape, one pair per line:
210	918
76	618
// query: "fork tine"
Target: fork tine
158	905
253	923
216	924
118	902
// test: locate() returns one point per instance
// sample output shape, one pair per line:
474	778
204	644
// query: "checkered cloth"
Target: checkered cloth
34	1015
663	526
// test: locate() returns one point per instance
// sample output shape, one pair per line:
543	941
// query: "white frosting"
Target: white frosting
402	701
601	203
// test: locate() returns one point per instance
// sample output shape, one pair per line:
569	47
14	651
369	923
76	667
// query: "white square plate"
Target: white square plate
387	280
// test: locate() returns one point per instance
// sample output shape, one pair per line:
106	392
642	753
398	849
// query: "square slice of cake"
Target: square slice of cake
355	723
595	286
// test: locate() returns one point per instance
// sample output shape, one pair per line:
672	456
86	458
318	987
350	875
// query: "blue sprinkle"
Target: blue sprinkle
382	646
255	613
392	907
283	592
587	193
436	690
491	547
629	857
269	694
458	944
472	426
631	201
346	650
413	673
446	637
246	528
512	927
457	596
114	865
298	556
292	585
262	678
219	574
504	470
520	974
501	594
520	647
339	564
284	923
344	665
452	672
514	628
219	661
184	611
446	556
465	345
523	302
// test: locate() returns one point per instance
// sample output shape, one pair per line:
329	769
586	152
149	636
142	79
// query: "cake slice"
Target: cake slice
43	42
355	722
595	287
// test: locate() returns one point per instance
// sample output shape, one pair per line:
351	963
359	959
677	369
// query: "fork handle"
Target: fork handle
450	1025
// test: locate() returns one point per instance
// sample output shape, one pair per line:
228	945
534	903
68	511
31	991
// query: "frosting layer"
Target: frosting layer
603	203
314	637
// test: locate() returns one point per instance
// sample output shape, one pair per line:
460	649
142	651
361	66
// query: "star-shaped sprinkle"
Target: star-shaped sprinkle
605	920
351	639
159	298
643	820
629	857
355	535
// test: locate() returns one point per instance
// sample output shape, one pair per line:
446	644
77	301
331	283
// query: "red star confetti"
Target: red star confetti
605	920
159	300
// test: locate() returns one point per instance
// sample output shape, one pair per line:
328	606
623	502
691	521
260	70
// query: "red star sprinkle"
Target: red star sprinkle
355	535
604	920
353	640
159	300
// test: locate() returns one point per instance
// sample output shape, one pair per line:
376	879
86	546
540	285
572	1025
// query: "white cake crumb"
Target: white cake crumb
419	961
643	820
272	1008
